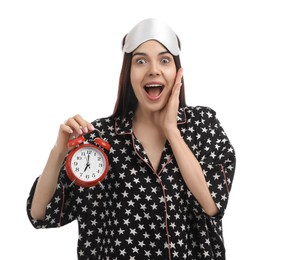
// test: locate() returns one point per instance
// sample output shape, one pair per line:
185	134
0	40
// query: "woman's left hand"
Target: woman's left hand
168	115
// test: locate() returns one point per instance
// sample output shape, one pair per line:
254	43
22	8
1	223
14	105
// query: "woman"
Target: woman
171	166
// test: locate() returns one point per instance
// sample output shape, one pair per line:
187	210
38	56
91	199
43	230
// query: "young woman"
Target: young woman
171	166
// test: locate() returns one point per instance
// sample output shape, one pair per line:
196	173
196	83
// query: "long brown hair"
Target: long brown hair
126	99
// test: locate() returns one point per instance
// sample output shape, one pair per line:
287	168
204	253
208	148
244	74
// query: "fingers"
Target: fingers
179	76
177	85
78	125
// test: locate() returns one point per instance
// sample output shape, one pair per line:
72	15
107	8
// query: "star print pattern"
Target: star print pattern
139	213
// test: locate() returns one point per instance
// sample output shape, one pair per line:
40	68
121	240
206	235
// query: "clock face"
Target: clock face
88	165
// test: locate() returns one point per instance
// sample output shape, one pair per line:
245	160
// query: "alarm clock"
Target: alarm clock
87	164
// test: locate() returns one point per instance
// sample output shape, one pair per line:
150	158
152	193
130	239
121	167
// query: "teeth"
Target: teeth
153	86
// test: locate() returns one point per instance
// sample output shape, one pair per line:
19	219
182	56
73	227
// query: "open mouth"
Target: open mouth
154	90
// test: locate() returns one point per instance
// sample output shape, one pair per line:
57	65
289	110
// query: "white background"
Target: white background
59	58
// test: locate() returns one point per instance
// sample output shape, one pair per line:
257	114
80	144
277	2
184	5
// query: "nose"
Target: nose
154	69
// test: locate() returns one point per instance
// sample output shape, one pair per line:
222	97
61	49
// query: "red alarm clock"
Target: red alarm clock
87	164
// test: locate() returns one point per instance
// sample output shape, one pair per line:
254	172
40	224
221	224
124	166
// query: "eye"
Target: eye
140	61
165	60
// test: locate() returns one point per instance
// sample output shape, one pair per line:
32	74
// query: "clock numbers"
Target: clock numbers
88	163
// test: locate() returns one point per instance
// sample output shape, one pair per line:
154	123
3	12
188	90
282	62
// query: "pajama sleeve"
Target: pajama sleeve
61	210
216	155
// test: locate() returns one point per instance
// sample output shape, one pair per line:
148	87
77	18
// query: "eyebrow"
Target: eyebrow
145	54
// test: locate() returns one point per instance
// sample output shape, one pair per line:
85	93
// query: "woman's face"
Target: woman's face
153	73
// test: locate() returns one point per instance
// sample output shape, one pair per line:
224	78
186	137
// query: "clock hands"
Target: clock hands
86	167
88	163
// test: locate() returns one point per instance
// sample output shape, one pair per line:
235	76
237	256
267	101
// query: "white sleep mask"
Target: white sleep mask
151	29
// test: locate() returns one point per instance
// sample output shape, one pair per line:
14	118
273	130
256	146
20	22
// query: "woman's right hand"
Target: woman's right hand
71	128
47	181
